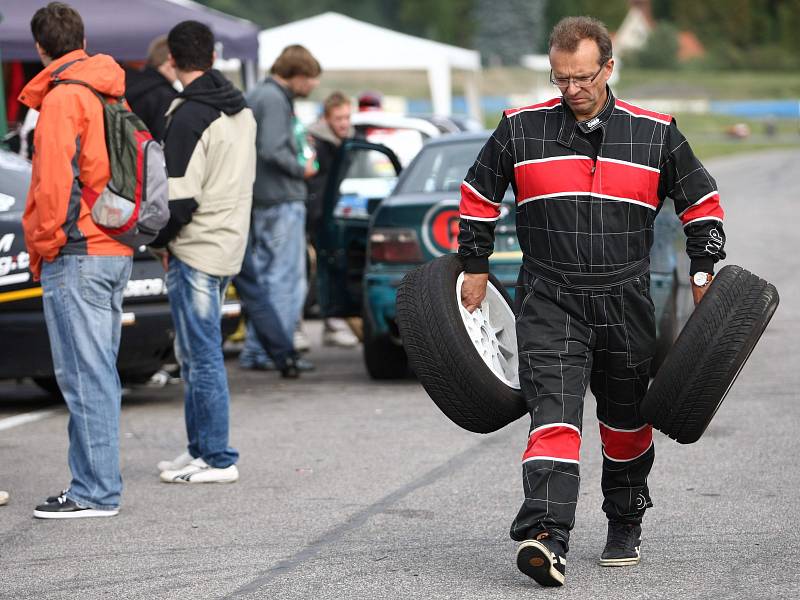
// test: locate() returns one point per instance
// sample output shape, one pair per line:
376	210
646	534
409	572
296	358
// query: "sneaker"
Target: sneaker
61	507
176	463
622	545
3	498
249	364
338	333
198	471
543	559
301	341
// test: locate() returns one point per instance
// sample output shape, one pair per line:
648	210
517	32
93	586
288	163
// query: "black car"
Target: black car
147	332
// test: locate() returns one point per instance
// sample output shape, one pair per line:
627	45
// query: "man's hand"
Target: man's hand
162	256
311	168
473	290
698	292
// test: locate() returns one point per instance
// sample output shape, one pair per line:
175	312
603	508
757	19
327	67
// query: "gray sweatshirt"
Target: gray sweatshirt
279	175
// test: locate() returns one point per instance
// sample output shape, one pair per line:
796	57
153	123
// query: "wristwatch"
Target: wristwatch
701	279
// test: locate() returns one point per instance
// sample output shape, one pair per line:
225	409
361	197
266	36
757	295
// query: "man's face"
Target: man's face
302	86
584	100
338	119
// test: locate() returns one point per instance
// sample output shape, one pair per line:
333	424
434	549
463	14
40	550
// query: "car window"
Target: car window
369	175
440	168
15	177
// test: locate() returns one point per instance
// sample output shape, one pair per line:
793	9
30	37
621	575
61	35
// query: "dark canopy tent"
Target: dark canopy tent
124	28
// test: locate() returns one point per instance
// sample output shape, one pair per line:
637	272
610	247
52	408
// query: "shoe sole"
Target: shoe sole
619	562
195	481
78	514
533	559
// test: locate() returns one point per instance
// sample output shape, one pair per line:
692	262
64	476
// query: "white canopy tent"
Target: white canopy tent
341	43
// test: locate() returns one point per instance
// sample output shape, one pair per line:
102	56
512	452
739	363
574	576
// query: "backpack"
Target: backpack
132	208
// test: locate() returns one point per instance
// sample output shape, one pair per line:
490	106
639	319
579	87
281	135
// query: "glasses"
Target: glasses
582	82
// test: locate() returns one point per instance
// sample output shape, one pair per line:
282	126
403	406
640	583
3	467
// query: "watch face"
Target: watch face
700	279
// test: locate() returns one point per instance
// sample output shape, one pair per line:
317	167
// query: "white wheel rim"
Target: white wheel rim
492	330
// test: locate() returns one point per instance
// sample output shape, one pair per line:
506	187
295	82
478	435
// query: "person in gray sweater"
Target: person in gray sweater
277	231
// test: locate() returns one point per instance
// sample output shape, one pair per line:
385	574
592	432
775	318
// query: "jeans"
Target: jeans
82	297
195	299
261	314
278	245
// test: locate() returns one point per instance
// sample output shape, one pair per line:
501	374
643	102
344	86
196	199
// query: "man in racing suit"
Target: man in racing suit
589	173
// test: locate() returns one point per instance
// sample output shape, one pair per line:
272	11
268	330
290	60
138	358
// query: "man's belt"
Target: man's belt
586	280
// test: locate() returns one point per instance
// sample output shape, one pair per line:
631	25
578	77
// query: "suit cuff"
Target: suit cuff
475	264
701	265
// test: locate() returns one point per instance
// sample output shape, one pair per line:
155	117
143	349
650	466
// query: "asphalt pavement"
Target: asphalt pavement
356	489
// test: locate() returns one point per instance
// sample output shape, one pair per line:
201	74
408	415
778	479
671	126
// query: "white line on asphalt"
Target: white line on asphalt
29	417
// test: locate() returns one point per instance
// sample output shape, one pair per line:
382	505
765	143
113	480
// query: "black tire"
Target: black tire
49	385
442	355
383	356
709	353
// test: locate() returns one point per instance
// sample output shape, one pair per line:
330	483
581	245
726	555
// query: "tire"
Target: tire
709	353
49	385
444	357
383	356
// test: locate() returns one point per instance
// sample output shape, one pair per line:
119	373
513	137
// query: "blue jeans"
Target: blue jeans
262	316
82	297
195	299
278	246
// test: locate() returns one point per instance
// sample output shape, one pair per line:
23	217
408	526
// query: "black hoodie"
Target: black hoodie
150	94
202	103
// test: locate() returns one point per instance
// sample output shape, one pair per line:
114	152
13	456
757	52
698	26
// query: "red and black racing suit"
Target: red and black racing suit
587	194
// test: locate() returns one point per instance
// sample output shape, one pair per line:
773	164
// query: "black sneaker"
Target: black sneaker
61	507
543	559
622	545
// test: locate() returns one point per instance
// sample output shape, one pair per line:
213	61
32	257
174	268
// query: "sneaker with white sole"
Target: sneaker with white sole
3	498
341	338
198	471
61	507
543	559
622	545
301	341
176	463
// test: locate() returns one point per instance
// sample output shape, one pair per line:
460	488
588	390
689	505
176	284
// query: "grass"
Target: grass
706	133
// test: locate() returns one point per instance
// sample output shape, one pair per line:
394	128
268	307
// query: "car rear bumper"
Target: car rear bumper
146	341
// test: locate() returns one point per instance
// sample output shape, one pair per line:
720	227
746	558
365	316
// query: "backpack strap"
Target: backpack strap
56	79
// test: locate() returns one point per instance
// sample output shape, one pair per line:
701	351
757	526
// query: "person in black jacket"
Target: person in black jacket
150	91
589	172
327	136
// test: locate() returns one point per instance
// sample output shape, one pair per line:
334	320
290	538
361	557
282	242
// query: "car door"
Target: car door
362	175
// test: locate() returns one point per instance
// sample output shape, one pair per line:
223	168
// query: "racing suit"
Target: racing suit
587	194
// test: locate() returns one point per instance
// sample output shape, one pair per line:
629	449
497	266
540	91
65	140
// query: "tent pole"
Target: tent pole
472	92
441	88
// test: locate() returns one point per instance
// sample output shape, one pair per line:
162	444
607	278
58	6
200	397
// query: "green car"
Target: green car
379	224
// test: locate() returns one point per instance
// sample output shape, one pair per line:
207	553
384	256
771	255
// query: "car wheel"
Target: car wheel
710	351
383	356
49	385
467	363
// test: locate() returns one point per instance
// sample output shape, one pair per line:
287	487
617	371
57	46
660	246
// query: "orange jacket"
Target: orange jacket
69	141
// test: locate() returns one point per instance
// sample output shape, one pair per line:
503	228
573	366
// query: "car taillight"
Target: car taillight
394	246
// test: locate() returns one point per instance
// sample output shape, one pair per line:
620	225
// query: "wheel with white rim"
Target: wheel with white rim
467	362
492	330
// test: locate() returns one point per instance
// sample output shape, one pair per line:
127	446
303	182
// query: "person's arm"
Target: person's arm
696	198
185	155
275	135
481	196
57	131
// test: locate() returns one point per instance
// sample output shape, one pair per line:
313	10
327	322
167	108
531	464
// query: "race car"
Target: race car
147	332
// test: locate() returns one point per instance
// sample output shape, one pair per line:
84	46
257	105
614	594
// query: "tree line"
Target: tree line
737	34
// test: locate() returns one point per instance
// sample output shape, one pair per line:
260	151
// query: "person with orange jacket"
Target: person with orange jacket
83	272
